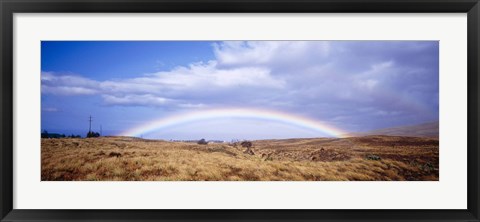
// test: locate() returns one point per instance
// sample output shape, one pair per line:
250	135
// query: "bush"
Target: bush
202	142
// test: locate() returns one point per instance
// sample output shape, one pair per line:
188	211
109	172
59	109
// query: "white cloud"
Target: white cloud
139	100
189	105
368	84
156	89
68	90
380	67
67	85
204	75
240	53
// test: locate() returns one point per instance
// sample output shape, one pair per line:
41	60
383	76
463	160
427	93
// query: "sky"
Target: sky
224	90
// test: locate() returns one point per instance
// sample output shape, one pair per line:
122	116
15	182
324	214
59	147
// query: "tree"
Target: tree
92	134
202	142
246	144
44	134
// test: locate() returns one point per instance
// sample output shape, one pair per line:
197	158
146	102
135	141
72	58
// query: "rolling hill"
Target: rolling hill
422	130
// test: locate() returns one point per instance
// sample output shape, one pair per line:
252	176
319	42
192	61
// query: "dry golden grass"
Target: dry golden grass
125	159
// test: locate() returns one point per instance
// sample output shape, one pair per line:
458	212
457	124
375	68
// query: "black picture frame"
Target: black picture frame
9	7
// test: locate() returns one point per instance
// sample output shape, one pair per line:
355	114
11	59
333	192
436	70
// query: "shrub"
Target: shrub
427	167
373	157
114	154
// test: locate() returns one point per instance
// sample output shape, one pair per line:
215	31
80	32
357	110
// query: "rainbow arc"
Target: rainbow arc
266	115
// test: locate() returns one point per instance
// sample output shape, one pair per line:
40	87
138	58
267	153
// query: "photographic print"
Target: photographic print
239	111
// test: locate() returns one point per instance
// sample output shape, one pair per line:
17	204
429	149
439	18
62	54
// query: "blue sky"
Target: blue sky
352	85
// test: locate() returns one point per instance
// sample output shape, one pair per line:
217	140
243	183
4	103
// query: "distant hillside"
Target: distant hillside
421	130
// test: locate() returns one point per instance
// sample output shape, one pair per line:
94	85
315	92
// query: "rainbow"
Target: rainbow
266	115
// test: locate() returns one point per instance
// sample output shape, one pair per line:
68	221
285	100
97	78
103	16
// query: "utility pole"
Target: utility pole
90	127
101	133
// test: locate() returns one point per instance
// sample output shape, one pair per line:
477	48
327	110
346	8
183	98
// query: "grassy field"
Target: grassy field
355	158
